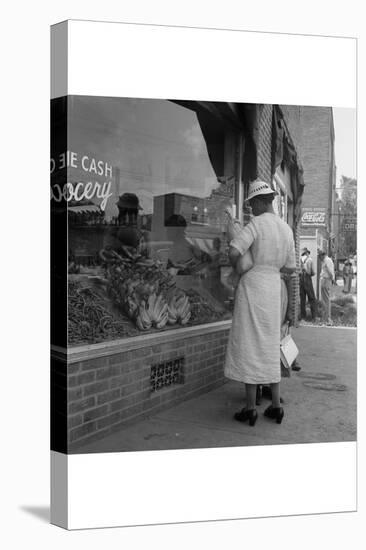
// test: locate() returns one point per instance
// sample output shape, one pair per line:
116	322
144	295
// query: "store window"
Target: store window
280	204
283	201
147	185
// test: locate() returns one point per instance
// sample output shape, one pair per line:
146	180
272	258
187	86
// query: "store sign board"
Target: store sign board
350	224
313	217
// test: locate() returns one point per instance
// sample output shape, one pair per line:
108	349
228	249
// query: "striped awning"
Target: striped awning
205	245
84	208
202	236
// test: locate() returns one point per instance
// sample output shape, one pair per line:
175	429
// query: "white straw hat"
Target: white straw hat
259	187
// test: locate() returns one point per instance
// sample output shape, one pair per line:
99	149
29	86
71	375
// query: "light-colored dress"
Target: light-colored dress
253	352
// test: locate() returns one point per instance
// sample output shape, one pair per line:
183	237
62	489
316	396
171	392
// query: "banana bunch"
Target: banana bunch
183	309
172	310
157	310
148	313
179	309
143	320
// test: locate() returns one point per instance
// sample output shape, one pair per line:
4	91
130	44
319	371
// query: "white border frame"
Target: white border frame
155	61
114	59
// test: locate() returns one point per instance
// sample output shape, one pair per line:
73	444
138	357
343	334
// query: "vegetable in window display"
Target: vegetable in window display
147	293
89	321
108	255
204	310
142	290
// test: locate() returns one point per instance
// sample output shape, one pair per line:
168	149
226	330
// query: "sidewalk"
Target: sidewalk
312	413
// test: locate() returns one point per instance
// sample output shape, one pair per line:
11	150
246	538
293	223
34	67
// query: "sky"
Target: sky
345	142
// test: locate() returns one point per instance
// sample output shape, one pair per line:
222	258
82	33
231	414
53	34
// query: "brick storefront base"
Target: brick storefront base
106	392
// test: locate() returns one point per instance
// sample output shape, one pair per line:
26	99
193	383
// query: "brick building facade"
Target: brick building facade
265	143
312	129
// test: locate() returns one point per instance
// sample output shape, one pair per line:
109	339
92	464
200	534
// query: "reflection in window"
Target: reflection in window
146	220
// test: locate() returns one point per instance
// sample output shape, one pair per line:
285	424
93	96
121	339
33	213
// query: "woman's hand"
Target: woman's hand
234	255
233	225
233	228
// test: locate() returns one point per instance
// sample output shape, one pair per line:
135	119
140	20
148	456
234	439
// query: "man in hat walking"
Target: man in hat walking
306	284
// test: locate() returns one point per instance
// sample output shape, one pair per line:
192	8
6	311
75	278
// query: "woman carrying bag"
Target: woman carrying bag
253	353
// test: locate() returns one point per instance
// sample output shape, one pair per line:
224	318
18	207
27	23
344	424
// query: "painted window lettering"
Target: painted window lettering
80	190
97	167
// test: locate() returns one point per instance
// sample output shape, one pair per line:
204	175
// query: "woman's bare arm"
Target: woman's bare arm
234	255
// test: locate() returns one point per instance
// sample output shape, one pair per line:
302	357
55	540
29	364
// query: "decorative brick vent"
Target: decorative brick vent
166	374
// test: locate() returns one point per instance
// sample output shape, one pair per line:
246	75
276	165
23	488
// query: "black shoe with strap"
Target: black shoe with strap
247	414
276	413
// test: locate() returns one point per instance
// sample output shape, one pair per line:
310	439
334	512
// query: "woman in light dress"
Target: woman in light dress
253	352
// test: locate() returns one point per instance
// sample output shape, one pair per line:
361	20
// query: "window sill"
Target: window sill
94	351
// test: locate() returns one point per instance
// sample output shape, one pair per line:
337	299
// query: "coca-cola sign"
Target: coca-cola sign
313	217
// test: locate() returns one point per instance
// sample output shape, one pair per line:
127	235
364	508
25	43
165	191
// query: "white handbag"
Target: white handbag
288	352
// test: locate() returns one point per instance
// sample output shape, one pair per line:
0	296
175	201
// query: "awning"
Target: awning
237	117
202	237
81	209
284	150
205	245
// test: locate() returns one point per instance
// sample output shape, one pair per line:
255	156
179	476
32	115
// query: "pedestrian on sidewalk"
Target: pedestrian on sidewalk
306	284
253	352
327	279
347	276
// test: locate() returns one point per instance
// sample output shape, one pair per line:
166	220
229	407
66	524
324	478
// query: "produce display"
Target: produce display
179	308
202	311
129	294
146	292
89	320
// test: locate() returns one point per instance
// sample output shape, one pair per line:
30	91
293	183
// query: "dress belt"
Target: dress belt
265	267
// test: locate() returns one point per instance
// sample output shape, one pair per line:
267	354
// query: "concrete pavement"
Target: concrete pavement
319	403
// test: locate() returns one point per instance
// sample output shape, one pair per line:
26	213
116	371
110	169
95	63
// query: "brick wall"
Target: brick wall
310	129
292	115
106	393
58	405
265	143
316	155
295	295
